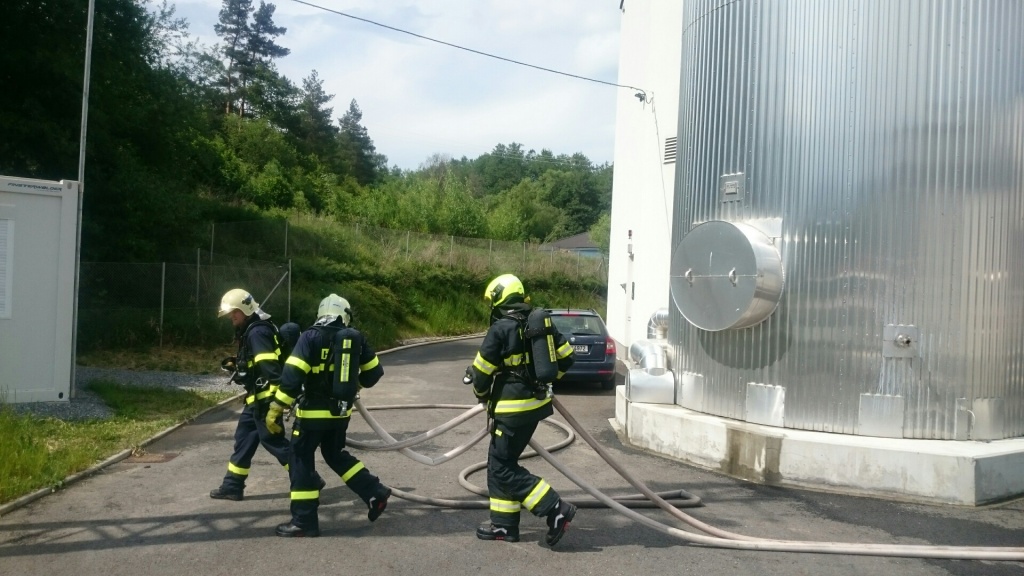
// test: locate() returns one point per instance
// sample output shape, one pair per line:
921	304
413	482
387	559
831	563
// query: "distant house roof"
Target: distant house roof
579	242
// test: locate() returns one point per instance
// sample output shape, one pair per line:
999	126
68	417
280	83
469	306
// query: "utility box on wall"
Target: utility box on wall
38	239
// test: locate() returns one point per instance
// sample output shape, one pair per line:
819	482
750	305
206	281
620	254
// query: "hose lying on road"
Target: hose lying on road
712	537
674	498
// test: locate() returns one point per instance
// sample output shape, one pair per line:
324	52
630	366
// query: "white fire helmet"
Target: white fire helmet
238	299
332	308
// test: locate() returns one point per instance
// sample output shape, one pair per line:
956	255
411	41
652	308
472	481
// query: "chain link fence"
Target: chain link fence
146	304
156	303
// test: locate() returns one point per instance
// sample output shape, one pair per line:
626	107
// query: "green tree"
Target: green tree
260	45
399	203
233	28
502	168
259	165
315	132
142	119
458	214
601	231
522	214
356	155
249	49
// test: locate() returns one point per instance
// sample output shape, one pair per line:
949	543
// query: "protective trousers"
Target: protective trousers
509	485
305	487
249	434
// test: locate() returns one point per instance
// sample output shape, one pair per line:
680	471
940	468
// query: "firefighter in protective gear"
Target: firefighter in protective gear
517	405
331	362
256	367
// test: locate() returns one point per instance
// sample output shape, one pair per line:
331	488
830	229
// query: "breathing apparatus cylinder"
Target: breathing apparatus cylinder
347	343
540	335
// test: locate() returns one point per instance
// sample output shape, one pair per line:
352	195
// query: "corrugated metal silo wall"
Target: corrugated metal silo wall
888	137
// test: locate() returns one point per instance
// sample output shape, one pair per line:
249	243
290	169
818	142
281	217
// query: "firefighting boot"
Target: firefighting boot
221	493
290	530
558	521
378	502
488	531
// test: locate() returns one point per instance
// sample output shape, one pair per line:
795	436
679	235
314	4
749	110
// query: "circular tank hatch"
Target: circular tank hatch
725	275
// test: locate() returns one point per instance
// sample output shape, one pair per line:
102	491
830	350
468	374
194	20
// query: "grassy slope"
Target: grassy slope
393	299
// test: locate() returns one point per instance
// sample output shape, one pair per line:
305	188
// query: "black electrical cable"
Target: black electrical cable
479	52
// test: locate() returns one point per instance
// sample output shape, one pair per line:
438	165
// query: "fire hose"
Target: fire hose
670	502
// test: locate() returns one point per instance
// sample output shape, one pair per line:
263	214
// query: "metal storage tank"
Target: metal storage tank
848	227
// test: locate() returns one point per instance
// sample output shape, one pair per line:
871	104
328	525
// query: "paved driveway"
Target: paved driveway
152	515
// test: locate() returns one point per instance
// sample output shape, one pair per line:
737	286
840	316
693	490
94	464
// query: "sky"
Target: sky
420	98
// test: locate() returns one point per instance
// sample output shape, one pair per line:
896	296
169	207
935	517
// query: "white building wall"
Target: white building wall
38	224
643	185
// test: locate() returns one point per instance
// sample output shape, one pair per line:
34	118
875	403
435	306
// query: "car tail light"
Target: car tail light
609	347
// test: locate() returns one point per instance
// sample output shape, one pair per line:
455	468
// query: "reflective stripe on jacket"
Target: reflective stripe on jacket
309	372
502	361
259	354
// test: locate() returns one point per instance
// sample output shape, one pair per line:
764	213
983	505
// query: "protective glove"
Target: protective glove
229	364
274	412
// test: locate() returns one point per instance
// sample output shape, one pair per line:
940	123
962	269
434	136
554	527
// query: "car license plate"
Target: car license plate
581	348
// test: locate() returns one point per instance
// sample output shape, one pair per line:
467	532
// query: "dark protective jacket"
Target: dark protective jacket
259	365
500	373
309	375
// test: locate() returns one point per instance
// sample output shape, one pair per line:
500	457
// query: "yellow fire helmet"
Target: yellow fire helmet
504	289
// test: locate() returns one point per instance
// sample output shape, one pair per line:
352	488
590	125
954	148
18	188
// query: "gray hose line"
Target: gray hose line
726	539
735	542
639	485
412	454
408	442
674	498
946	552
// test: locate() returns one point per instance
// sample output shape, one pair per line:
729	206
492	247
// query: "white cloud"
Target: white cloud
420	97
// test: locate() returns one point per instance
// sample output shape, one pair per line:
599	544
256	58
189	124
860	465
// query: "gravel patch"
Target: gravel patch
86	405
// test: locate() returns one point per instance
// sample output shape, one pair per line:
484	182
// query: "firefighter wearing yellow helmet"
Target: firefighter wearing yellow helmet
504	379
256	367
331	362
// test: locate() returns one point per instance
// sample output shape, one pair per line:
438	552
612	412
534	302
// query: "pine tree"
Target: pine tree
316	131
356	153
233	29
248	47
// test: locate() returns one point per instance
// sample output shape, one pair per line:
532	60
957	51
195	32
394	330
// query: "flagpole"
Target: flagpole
81	188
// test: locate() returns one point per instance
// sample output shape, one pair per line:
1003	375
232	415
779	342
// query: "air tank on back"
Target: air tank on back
848	228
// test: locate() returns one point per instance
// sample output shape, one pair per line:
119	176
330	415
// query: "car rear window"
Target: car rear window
579	325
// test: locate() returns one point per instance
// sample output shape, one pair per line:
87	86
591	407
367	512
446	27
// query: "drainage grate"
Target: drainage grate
151	458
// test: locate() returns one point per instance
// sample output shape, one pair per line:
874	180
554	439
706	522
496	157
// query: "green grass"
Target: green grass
41	452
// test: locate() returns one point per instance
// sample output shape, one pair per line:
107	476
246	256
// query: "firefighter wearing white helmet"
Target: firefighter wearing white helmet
257	367
331	309
240	300
502	379
330	363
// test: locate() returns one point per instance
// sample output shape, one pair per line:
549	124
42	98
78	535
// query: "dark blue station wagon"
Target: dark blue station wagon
593	348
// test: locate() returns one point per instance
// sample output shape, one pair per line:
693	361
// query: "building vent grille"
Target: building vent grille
670	150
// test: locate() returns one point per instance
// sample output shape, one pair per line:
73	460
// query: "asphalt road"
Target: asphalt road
152	514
